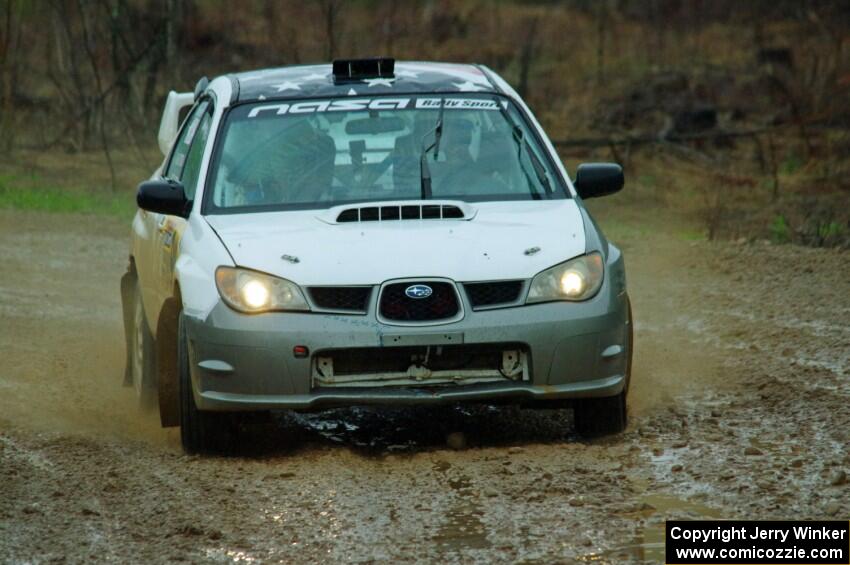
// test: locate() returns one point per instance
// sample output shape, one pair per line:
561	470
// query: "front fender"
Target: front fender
201	253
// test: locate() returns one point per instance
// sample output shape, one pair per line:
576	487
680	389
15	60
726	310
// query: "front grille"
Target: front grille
347	298
493	293
440	305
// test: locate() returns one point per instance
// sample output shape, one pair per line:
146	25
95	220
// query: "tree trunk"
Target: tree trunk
527	56
89	47
173	26
9	44
601	25
331	9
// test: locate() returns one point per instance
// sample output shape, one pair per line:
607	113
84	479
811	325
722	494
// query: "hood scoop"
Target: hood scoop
397	211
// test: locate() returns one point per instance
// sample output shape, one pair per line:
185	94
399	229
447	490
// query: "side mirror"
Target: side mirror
163	196
598	179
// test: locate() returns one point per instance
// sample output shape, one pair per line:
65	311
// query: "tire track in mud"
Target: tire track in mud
739	407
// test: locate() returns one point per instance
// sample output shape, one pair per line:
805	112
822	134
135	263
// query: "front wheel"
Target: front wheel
608	415
596	417
200	432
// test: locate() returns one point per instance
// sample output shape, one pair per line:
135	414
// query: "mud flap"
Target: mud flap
166	363
128	281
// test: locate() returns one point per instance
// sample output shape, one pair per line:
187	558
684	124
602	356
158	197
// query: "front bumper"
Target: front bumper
246	362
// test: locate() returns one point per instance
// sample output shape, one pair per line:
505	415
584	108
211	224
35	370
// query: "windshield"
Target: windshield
322	153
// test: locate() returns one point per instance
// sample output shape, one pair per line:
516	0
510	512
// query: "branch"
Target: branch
97	101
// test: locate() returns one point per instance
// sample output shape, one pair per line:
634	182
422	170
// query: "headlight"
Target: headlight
250	291
577	279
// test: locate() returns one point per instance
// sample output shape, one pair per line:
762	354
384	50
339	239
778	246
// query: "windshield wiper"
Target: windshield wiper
522	145
424	169
539	169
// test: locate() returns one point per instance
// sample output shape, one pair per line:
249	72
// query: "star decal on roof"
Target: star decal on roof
378	81
469	86
286	85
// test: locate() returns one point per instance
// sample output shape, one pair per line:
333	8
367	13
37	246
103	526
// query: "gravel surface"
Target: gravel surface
739	408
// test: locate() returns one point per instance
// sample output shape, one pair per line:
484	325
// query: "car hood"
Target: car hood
498	240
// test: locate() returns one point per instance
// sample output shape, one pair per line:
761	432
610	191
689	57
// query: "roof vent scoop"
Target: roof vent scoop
346	70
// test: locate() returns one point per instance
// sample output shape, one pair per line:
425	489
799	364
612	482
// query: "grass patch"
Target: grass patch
780	231
646	180
623	231
690	235
791	164
831	229
55	200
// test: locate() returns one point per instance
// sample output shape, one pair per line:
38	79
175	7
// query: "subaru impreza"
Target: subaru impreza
369	232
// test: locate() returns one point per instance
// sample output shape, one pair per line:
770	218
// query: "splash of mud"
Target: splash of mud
61	338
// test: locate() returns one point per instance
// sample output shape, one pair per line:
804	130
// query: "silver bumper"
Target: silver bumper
609	386
246	362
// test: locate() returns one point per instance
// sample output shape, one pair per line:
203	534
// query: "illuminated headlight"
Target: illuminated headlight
250	291
577	279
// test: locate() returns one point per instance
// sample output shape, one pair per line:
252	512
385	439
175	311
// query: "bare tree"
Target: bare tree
330	14
527	53
90	46
175	11
390	27
601	27
66	73
10	42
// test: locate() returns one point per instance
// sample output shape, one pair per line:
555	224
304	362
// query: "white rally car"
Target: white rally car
369	232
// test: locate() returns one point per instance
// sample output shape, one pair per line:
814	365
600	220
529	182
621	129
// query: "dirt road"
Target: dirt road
739	409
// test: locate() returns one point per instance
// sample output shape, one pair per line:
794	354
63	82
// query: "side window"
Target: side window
192	169
184	141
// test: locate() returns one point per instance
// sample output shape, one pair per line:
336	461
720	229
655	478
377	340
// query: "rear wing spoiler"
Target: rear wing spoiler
175	102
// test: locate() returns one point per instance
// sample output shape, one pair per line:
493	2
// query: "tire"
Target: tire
200	432
142	354
595	417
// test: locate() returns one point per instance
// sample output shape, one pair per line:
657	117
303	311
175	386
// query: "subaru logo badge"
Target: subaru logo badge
418	291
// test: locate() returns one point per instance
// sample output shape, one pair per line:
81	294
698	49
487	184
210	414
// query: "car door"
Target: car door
146	231
184	166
